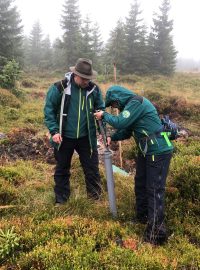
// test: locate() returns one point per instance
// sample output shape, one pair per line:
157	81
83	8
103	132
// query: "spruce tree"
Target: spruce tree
35	41
97	47
116	47
71	25
164	54
87	39
58	58
10	31
46	61
136	58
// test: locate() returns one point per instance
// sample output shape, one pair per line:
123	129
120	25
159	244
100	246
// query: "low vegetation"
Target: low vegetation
83	234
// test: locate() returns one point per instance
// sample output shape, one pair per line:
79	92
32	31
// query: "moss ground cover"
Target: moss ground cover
82	234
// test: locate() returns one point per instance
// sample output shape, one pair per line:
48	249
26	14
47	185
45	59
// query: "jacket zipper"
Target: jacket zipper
79	112
88	124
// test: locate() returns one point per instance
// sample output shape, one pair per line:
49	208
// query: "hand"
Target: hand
100	139
57	138
108	141
98	115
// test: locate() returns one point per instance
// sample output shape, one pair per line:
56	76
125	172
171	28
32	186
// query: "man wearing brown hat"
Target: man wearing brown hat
69	108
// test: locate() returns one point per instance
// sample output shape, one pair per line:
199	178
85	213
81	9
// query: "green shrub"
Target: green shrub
8	99
11	174
34	118
12	114
28	83
185	171
191	147
22	171
8	193
9	241
10	74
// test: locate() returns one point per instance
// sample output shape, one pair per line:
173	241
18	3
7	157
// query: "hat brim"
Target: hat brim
89	77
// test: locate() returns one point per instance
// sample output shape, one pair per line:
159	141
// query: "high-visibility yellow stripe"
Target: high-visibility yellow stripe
90	104
79	113
165	135
88	124
83	103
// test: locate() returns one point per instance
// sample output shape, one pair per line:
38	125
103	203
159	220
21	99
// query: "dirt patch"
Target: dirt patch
25	144
38	95
127	164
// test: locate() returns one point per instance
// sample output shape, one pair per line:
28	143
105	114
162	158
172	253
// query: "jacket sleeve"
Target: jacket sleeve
51	109
121	135
99	104
127	117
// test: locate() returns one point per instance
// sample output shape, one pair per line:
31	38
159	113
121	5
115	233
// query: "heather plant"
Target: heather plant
82	234
8	99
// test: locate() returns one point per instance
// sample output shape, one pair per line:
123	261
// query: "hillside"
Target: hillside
83	234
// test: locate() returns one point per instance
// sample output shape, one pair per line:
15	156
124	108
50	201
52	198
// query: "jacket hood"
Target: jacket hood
118	94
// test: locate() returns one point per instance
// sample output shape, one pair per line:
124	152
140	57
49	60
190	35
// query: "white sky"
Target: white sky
185	13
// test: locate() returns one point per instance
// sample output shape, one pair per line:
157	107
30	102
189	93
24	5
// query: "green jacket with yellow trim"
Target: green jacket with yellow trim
69	109
138	118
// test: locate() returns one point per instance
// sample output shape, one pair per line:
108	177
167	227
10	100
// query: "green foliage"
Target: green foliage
82	234
185	171
12	174
21	171
71	25
8	193
10	31
12	114
28	83
189	148
9	241
8	99
116	48
136	49
10	74
163	57
35	45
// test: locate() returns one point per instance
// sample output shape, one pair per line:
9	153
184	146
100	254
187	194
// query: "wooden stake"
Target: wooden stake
120	143
7	206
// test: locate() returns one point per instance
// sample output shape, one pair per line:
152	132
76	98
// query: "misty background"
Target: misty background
108	20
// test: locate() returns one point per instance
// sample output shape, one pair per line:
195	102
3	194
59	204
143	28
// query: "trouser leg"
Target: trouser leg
90	164
63	157
140	189
157	171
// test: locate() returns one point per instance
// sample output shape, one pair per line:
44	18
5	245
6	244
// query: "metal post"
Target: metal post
110	181
109	172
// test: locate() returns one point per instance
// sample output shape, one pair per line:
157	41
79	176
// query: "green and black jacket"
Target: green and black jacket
138	118
69	109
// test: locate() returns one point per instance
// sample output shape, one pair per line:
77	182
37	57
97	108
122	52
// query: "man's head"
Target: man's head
117	97
83	72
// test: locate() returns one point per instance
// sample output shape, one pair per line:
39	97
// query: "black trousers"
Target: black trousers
150	181
89	162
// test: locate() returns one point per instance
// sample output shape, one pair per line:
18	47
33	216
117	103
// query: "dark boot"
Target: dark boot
156	234
139	219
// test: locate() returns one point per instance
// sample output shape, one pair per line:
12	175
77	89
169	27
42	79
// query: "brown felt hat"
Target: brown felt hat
83	68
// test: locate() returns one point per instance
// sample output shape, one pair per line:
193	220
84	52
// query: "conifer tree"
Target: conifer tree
46	61
116	47
97	47
87	39
59	55
71	25
164	54
136	58
10	31
35	42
